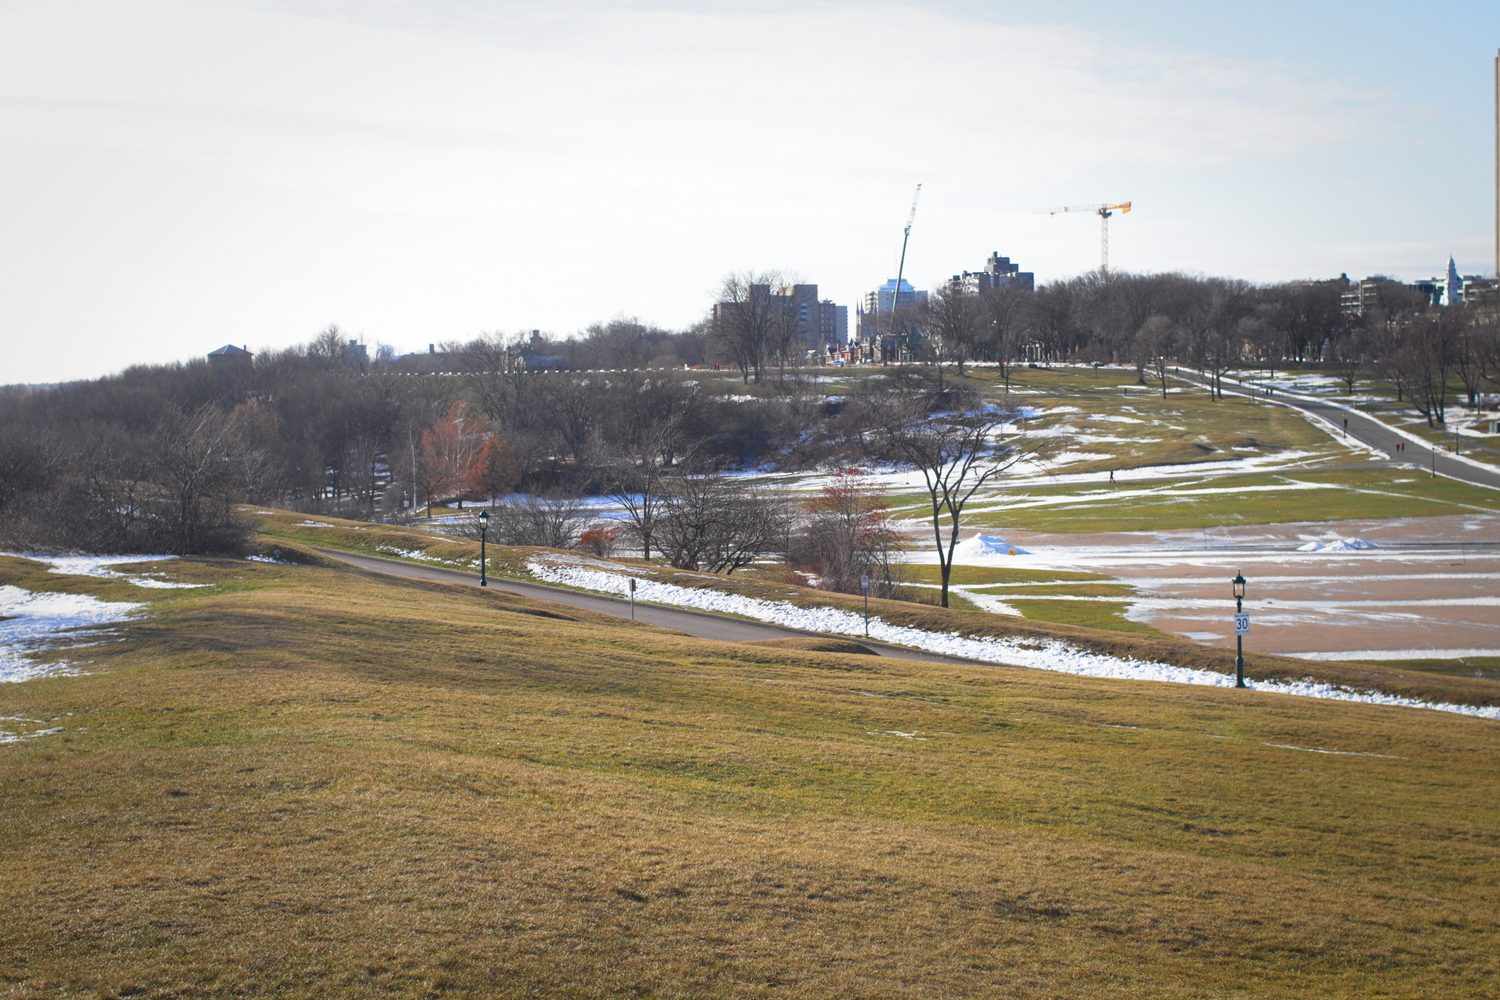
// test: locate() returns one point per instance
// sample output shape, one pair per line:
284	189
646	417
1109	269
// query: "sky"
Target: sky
176	175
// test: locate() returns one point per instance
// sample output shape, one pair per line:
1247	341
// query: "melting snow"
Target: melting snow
984	546
31	622
98	566
1042	654
1340	545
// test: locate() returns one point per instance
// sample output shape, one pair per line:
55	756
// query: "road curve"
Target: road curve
1368	430
701	624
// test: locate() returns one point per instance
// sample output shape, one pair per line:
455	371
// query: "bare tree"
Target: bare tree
1417	352
847	539
553	522
1155	346
753	325
1346	357
947	434
716	524
1005	309
954	323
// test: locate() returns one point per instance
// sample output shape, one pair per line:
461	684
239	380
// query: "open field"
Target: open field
1106	631
1206	501
315	782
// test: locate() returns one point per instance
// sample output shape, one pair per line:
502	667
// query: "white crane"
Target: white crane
905	235
1104	212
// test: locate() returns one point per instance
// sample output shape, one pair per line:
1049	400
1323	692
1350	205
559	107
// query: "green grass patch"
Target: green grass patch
1086	614
1221	501
968	576
1484	667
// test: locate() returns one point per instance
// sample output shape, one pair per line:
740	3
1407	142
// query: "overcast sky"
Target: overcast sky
180	174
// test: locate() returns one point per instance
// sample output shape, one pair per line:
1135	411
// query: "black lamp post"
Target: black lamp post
484	527
1241	626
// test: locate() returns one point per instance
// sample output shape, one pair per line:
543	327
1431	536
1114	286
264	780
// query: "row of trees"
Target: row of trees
1158	321
157	457
1121	319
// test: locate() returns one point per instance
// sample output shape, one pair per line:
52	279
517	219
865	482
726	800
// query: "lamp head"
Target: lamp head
484	518
1239	585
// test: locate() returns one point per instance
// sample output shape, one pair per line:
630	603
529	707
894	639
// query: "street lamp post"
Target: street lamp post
484	527
1241	626
864	585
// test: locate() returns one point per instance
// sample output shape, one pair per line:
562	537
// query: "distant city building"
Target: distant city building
816	324
1374	292
1480	291
1453	287
1431	289
998	272
229	357
833	324
887	298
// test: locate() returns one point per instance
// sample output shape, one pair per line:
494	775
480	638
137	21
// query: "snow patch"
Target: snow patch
985	546
1339	545
33	622
1042	654
98	566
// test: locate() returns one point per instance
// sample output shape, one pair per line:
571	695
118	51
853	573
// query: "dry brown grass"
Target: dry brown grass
311	782
1099	628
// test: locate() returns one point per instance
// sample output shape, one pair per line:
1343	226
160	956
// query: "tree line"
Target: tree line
1158	321
156	457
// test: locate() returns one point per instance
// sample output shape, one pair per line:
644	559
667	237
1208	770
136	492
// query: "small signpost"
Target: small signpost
864	585
1241	629
632	598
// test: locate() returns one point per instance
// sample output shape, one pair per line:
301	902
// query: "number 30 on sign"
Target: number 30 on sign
1242	624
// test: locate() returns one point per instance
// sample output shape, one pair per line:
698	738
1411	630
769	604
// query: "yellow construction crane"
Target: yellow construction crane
1104	212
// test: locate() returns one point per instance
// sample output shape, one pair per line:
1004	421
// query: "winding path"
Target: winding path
1368	430
701	624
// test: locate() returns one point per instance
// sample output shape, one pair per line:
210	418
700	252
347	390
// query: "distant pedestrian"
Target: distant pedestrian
1111	475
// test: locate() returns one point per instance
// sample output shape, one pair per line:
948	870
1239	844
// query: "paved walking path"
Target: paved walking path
702	624
1372	432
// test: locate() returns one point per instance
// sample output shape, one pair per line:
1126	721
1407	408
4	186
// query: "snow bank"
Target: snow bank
31	622
1041	654
1338	545
985	546
98	566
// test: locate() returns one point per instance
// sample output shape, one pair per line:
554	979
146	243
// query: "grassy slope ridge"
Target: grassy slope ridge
292	530
319	782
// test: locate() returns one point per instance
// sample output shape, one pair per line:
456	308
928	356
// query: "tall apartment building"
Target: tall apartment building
998	271
887	298
833	325
797	305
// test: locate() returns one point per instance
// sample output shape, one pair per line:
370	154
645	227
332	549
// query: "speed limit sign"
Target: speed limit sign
1242	623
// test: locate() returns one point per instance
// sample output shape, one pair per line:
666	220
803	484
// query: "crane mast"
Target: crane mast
1104	212
905	235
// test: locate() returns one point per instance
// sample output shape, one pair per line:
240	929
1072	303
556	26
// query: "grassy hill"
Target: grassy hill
309	781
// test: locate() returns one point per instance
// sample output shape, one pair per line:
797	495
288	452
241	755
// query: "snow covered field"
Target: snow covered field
612	578
1400	589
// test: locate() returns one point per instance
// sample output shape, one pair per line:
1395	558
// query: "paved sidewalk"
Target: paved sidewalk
1372	432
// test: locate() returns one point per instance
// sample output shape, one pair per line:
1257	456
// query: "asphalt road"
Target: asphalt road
702	624
1373	433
